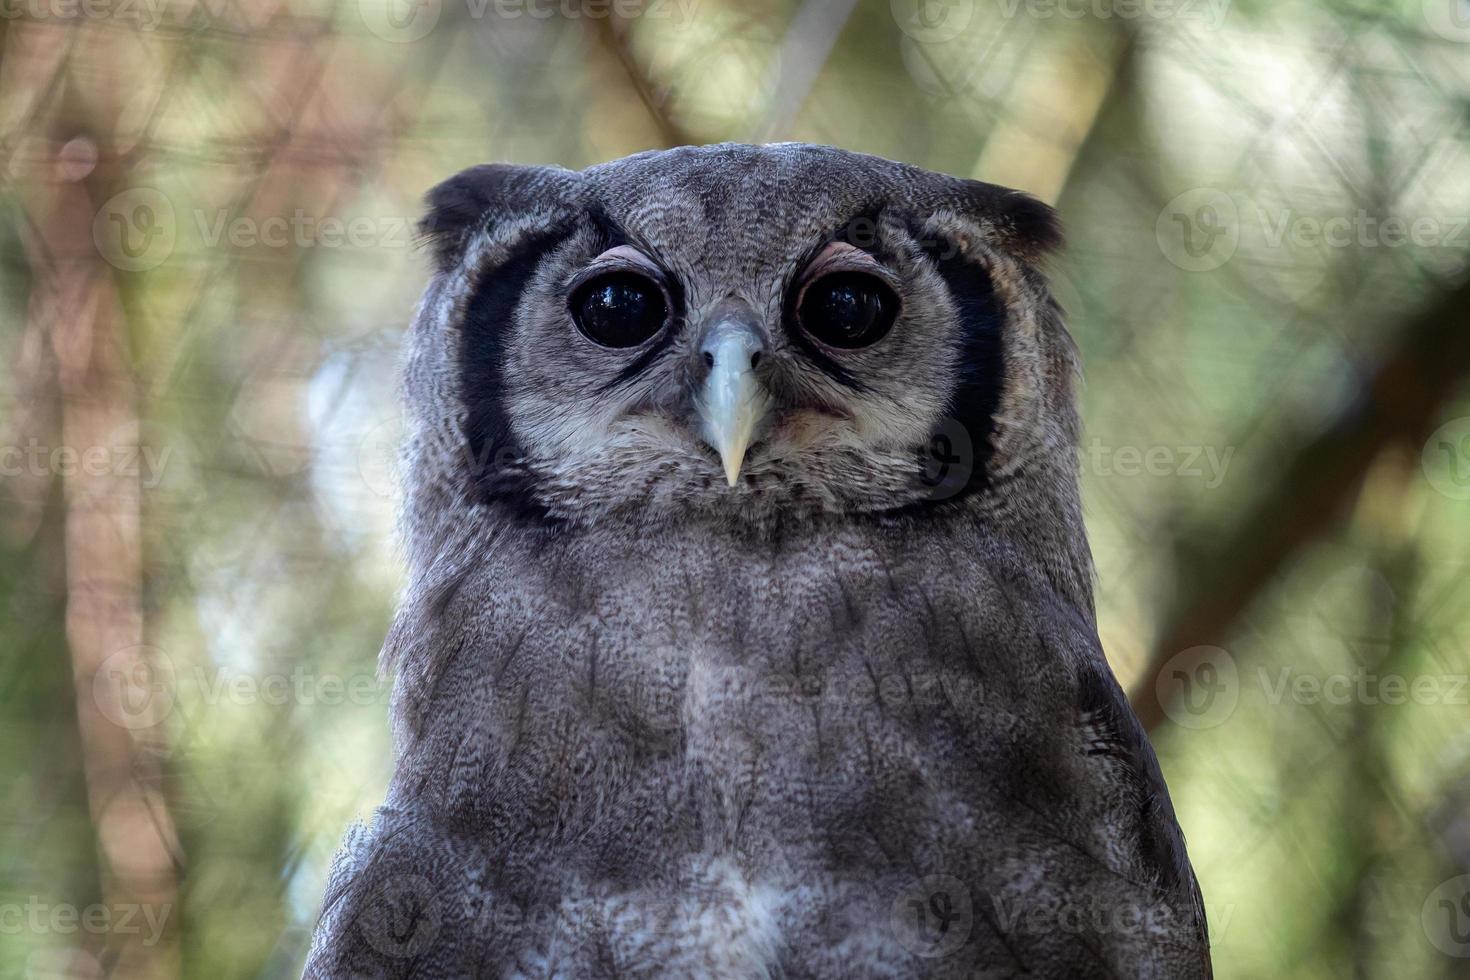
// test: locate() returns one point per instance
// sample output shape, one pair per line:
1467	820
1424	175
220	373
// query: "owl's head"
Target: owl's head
743	333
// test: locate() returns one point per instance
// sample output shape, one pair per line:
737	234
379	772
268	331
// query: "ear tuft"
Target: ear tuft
1036	225
1029	227
480	197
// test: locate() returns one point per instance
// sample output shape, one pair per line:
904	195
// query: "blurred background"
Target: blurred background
207	260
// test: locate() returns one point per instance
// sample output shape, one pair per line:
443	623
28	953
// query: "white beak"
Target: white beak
733	403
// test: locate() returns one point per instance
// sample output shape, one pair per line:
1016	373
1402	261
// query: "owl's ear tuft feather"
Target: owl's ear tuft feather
1029	227
479	198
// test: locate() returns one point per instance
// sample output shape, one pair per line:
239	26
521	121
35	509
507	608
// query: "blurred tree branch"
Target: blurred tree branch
614	37
1037	143
75	303
1426	364
803	53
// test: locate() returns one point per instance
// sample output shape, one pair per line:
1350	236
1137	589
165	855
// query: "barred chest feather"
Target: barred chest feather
730	746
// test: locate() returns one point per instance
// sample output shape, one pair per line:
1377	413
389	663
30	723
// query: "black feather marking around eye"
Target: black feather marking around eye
640	364
859	230
610	234
816	355
808	348
497	470
981	368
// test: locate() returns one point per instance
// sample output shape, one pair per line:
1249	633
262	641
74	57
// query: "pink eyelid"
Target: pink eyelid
835	257
842	257
626	256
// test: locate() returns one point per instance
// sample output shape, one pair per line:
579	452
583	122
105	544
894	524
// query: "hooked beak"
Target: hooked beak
733	402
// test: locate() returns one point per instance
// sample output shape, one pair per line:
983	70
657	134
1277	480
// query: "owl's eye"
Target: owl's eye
620	309
848	309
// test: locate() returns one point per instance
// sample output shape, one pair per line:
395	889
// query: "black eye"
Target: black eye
620	309
848	309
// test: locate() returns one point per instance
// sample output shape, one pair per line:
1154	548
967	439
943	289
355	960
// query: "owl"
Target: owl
749	629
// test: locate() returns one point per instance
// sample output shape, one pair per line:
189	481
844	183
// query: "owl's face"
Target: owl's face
740	331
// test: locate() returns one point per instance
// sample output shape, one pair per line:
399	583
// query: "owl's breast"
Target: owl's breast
821	726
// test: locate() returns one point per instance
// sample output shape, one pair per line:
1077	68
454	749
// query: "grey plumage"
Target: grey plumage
848	717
